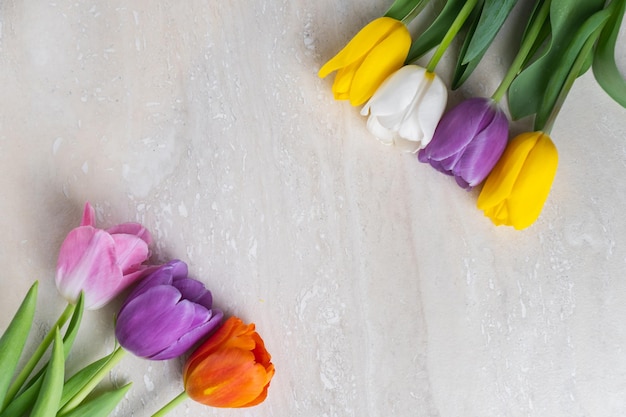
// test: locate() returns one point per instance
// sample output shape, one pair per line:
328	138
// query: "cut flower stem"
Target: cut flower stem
450	34
34	359
179	399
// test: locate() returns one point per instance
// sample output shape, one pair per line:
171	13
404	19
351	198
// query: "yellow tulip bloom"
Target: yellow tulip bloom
378	50
518	186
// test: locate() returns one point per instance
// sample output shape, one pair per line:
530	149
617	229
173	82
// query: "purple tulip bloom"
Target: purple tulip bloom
468	141
166	314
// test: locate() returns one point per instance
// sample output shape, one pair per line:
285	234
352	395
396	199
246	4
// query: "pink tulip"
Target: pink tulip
101	263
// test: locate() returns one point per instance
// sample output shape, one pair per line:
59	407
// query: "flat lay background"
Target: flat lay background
377	285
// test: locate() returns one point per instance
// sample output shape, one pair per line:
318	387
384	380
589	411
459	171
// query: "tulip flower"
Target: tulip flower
406	108
166	314
468	141
518	186
378	50
231	369
101	263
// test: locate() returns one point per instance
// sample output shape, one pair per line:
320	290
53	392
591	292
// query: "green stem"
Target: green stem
91	384
454	29
569	81
522	54
171	405
34	359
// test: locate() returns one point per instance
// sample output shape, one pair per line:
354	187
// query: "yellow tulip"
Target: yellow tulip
519	184
378	50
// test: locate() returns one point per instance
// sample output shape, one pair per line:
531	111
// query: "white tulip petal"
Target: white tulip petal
406	108
396	92
382	133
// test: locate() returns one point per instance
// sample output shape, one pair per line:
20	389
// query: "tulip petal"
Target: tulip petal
533	184
194	291
502	178
343	81
380	63
131	251
426	110
239	378
396	93
458	127
517	188
89	216
156	319
361	44
87	262
483	152
132	229
191	337
162	276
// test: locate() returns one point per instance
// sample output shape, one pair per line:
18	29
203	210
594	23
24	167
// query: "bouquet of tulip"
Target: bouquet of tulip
166	315
405	102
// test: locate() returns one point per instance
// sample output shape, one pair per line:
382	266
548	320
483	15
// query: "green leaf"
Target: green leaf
462	71
14	338
47	402
401	9
604	68
566	17
68	338
73	326
23	402
81	378
479	37
436	31
492	18
72	386
557	81
100	406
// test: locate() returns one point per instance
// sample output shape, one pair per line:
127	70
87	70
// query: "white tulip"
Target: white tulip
406	108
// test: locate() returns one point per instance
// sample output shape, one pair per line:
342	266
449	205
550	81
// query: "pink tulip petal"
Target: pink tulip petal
131	251
89	216
132	229
87	262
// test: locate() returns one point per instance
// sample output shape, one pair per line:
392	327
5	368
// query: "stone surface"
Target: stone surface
377	285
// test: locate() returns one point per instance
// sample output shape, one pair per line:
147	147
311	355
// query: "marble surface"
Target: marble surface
377	285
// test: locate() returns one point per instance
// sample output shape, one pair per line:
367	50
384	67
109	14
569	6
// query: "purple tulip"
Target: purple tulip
468	141
166	314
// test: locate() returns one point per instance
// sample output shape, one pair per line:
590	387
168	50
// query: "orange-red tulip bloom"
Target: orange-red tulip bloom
231	369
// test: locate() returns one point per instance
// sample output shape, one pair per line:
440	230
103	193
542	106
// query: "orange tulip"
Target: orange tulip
231	369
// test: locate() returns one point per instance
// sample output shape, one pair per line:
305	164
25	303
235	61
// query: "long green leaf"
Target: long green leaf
14	338
604	68
558	80
24	401
81	378
492	18
436	31
49	396
100	406
566	17
401	9
463	70
74	325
